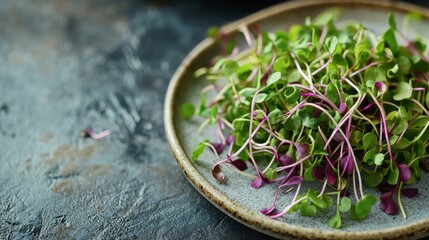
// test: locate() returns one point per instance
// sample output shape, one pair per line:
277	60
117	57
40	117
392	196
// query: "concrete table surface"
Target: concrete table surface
66	65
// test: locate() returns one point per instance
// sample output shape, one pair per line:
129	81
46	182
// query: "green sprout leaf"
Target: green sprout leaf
369	141
392	21
335	222
187	110
198	150
403	91
307	209
378	159
275	116
274	78
345	204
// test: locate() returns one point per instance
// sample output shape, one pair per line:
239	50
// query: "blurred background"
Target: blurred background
67	65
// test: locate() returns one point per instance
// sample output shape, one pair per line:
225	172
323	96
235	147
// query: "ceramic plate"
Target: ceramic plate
236	198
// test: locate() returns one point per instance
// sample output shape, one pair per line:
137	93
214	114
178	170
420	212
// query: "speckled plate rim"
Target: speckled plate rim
238	212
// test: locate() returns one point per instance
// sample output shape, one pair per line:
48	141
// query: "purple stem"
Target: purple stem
270	67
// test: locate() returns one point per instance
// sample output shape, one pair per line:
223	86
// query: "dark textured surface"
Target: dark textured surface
66	65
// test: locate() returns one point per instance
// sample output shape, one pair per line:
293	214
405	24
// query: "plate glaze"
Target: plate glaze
236	198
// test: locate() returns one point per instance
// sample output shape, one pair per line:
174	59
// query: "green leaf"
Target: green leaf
378	159
271	173
292	94
400	126
327	15
420	121
311	122
274	78
198	150
308	210
392	71
369	157
213	114
280	65
372	179
403	91
293	123
392	177
335	222
187	110
416	16
308	175
247	92
364	206
331	44
293	76
390	39
392	21
404	65
260	98
369	141
275	116
319	202
339	60
345	204
355	138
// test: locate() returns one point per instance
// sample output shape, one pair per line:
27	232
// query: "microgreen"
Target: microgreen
341	106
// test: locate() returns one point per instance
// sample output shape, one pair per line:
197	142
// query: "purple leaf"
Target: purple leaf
410	192
387	204
380	86
268	210
285	160
389	207
230	139
295	180
343	107
404	172
239	164
218	174
319	172
330	175
258	182
218	147
384	187
301	149
347	164
338	137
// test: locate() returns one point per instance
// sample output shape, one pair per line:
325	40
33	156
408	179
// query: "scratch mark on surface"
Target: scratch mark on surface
220	223
137	202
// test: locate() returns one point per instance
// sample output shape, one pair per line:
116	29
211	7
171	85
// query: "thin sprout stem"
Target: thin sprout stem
383	122
347	142
368	120
227	123
404	214
269	165
278	169
288	207
323	188
363	69
298	67
391	104
421	106
247	36
203	125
